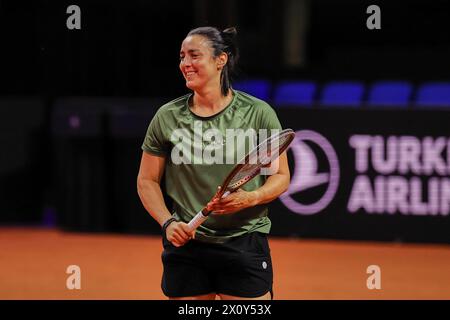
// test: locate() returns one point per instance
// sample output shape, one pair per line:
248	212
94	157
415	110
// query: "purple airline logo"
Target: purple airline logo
306	176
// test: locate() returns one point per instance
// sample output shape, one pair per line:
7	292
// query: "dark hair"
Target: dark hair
222	41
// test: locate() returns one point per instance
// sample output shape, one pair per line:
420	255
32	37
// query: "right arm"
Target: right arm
149	190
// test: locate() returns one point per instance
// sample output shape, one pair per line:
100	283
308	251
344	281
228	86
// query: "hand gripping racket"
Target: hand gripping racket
248	168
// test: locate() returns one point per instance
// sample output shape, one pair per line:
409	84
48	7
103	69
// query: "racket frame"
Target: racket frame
203	214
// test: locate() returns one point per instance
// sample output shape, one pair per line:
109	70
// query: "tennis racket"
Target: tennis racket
249	167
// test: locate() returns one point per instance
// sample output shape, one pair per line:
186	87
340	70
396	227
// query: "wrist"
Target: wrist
256	197
167	223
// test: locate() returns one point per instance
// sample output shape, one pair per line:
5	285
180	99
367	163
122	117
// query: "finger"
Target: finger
211	205
229	209
181	243
215	201
228	204
175	242
177	238
217	192
176	232
185	228
184	236
231	195
227	200
218	207
214	208
226	211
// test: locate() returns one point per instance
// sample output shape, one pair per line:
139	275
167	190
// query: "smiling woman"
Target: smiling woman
196	57
228	255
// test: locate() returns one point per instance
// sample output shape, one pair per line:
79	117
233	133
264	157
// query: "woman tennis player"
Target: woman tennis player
228	255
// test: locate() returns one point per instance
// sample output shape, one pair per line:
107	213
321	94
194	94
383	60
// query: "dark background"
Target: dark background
123	64
130	48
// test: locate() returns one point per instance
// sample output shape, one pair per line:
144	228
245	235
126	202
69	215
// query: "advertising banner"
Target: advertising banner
367	174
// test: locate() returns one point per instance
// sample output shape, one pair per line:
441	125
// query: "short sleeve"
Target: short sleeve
268	118
155	141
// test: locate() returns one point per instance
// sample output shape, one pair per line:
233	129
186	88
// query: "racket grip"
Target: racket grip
200	217
196	221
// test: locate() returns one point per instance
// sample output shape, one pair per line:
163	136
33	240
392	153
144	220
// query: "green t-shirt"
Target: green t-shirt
201	151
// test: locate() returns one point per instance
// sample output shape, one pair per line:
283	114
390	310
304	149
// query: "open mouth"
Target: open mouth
190	74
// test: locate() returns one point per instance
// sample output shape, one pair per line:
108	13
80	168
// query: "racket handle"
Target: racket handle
196	221
200	217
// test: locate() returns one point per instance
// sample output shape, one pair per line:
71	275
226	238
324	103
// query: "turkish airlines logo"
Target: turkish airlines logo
306	174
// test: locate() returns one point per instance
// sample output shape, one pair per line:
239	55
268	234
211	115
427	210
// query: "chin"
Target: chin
191	85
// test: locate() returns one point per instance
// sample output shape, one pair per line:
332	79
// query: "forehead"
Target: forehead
195	42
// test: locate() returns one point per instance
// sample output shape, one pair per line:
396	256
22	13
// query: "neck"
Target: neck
211	99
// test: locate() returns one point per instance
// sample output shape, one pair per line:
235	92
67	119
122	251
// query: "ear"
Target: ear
221	60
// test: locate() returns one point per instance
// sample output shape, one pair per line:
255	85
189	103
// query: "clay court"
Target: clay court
34	261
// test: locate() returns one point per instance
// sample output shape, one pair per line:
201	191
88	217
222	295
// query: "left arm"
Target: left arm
274	186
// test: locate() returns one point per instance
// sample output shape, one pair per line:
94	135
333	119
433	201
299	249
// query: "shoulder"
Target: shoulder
173	108
257	107
257	111
249	101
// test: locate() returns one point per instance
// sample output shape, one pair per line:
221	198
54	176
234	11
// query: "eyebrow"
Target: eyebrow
191	51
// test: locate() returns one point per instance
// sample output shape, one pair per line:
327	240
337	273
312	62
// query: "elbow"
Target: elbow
287	182
285	188
143	183
140	184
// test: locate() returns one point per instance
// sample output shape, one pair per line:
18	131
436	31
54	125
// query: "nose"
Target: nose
186	62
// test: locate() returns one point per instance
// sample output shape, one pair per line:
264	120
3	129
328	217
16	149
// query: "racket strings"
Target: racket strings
261	156
247	172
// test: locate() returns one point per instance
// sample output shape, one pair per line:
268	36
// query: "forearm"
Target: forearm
275	185
152	198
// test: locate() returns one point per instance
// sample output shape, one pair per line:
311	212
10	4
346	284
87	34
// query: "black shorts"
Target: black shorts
240	267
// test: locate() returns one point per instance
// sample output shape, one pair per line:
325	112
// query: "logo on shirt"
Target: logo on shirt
319	181
212	146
